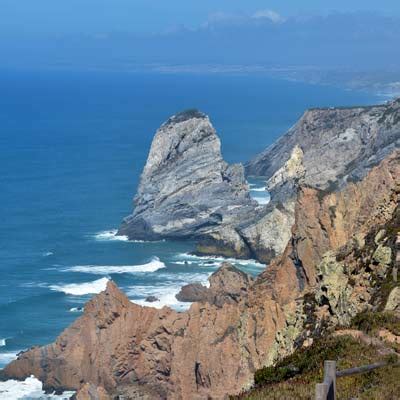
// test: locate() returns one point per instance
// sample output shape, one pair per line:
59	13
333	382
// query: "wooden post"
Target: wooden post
330	379
321	391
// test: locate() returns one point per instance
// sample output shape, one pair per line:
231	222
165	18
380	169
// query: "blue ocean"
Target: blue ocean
72	148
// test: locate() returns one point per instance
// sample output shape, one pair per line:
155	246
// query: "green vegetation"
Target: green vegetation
295	376
370	322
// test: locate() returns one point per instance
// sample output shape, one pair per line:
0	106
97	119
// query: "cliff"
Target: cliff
339	254
338	145
186	188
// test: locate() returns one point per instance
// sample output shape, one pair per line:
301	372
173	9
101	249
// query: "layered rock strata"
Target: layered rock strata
334	263
186	188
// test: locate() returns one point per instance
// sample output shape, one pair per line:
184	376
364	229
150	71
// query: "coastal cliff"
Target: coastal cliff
337	145
187	190
338	263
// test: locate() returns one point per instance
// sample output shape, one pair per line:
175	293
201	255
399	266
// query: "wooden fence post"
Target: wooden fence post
321	391
330	378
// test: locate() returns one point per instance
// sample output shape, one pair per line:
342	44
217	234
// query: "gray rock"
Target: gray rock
187	190
151	299
339	145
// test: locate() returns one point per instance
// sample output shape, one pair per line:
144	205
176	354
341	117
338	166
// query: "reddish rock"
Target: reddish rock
209	350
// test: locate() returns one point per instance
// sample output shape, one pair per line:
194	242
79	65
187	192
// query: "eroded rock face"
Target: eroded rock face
186	188
91	392
325	274
227	285
339	145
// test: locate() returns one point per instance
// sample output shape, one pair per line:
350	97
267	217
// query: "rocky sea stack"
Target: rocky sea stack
186	189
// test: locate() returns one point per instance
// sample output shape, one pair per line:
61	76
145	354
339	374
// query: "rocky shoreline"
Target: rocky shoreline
330	232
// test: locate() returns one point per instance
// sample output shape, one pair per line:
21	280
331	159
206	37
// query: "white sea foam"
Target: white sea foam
29	389
258	189
76	309
6	358
261	200
164	294
47	253
152	266
80	289
2	342
205	261
110	235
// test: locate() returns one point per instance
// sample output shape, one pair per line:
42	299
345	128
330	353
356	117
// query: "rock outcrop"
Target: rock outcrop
338	145
227	285
327	273
186	188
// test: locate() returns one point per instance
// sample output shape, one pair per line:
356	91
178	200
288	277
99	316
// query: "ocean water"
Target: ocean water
72	149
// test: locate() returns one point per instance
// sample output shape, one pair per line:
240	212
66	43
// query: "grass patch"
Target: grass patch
295	376
370	322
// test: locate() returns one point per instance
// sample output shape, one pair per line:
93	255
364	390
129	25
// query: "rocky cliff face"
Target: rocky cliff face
340	251
339	145
186	188
188	191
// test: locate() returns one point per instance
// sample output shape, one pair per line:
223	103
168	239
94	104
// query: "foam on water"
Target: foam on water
81	289
6	358
205	261
152	266
110	235
258	189
29	389
165	292
2	342
76	309
261	200
47	253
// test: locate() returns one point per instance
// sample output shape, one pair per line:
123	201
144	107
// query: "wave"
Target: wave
258	189
3	342
215	260
110	235
152	266
31	388
81	289
47	253
76	309
6	358
164	294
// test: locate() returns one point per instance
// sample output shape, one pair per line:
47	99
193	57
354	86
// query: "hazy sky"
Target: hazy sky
29	17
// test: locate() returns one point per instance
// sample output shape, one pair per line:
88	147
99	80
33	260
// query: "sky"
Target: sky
66	17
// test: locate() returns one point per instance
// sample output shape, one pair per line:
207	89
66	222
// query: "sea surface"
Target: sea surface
72	148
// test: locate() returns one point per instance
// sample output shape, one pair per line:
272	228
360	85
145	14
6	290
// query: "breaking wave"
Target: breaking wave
204	261
81	289
29	389
110	235
154	265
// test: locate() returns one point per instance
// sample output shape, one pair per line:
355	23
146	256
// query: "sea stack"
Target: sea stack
186	188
